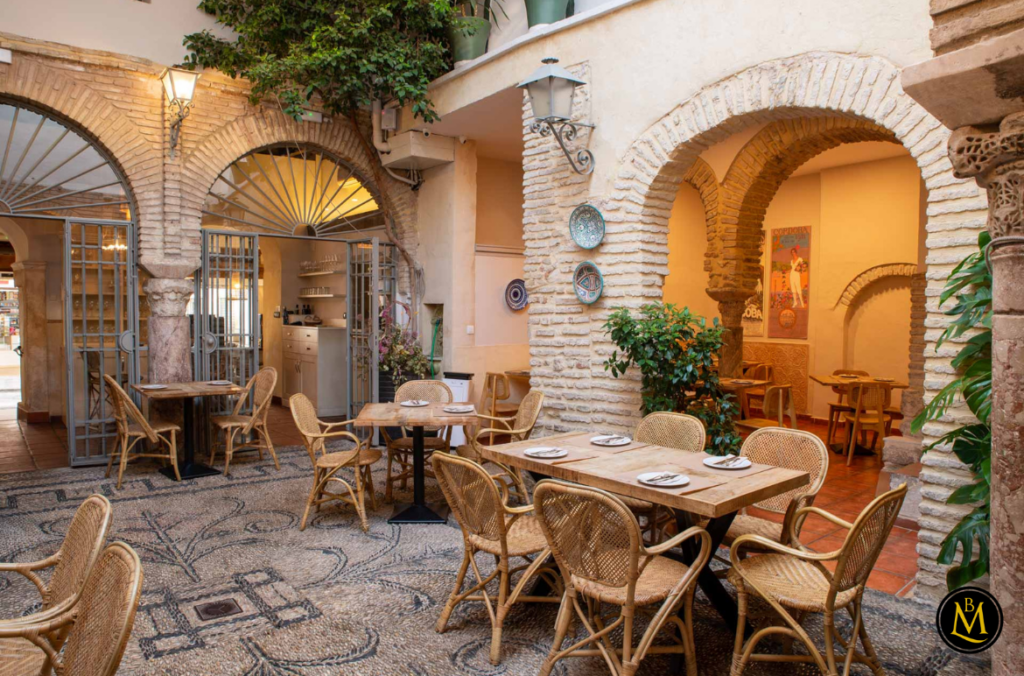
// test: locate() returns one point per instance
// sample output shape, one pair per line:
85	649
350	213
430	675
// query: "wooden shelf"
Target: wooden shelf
322	273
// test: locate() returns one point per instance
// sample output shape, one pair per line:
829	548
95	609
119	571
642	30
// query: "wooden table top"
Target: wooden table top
730	384
835	381
198	388
431	415
711	492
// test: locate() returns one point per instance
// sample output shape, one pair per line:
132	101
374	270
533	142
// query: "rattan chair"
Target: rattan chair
778	403
795	580
759	372
72	563
400	449
869	402
133	428
490	526
838	407
518	428
497	390
261	386
96	630
359	459
792	449
603	560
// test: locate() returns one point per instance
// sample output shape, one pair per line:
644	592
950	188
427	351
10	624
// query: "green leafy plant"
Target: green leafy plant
487	9
399	350
971	285
675	352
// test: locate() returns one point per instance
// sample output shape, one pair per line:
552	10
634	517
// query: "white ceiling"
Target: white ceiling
495	123
851	153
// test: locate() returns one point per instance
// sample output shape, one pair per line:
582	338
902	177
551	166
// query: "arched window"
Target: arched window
293	190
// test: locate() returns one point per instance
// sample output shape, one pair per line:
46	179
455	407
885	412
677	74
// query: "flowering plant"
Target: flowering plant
399	351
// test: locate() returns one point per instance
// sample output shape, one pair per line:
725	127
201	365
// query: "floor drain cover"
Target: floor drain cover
217	609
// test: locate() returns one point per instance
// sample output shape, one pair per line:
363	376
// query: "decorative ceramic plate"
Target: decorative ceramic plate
670	481
734	381
588	282
152	387
724	462
515	294
415	403
459	409
611	440
885	380
546	452
220	383
586	226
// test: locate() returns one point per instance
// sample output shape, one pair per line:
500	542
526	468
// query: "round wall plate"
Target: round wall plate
515	295
588	282
586	226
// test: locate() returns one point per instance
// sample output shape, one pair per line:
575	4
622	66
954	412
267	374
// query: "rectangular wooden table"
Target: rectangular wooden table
831	380
738	386
714	493
417	418
192	393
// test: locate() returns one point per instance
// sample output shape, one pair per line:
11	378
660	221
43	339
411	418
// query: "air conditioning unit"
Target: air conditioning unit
416	150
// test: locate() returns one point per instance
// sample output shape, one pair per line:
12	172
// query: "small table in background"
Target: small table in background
737	386
191	393
831	380
417	418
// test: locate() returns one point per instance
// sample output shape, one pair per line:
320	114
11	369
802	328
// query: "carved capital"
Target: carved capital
732	312
168	297
996	161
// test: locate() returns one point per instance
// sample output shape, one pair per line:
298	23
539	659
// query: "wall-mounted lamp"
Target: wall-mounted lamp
552	90
180	87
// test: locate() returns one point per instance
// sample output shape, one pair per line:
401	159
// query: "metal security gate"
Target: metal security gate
226	318
101	330
372	282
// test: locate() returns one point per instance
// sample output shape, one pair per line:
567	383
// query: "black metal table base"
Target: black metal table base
190	470
418	511
419	514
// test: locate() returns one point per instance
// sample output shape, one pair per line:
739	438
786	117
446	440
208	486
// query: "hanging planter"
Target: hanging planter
539	12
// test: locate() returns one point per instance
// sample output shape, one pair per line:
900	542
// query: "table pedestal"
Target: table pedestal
418	511
190	469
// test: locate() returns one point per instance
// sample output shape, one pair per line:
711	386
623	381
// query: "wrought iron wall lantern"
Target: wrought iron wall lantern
180	87
552	89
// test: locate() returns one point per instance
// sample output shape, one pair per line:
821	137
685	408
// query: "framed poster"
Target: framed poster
790	283
753	312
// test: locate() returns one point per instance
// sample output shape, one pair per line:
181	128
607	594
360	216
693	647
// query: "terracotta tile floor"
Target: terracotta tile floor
846	492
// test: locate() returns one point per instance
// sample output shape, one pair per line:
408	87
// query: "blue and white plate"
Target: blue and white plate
586	226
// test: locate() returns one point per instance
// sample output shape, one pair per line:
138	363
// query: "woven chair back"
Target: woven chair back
304	415
672	430
433	391
792	449
125	411
846	372
471	494
591	533
496	385
865	540
262	387
529	411
776	401
106	614
81	547
762	372
869	398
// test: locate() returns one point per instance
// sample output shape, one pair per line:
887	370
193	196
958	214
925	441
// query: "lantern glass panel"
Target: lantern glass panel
562	92
179	85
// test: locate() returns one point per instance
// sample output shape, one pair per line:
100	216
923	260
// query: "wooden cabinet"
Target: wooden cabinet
315	364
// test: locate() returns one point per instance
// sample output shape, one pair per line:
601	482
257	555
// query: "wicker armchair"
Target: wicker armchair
400	449
96	630
497	390
133	428
759	372
261	386
518	428
490	526
360	459
778	402
72	563
600	550
838	407
792	449
796	579
869	401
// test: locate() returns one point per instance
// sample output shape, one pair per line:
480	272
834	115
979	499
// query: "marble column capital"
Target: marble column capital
996	160
168	297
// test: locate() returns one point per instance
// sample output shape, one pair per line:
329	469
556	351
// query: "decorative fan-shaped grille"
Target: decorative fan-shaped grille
293	190
48	169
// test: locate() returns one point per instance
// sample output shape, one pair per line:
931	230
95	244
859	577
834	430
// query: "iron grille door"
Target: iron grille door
101	330
226	317
371	284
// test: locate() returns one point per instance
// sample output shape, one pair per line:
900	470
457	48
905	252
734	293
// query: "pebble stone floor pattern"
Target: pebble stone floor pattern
332	599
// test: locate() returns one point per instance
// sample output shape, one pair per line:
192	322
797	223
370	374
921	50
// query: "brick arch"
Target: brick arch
702	177
754	177
871	275
89	112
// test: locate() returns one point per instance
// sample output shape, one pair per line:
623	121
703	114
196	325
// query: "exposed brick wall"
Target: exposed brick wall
568	343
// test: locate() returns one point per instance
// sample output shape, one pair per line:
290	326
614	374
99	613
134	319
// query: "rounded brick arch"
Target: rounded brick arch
872	275
89	112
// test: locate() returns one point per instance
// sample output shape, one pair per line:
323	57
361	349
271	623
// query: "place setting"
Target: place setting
414	403
557	455
615	443
458	409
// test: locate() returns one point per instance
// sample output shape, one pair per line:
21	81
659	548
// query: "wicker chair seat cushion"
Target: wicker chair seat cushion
655	584
757	423
866	418
228	421
793	582
744	524
20	656
367	456
404	444
159	426
524	537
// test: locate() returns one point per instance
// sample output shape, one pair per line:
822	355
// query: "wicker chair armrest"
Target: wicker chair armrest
336	435
15	567
676	540
802	513
67	606
328	426
507	422
525	509
765	543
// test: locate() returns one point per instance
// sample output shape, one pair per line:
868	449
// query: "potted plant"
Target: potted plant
675	351
471	27
400	356
540	12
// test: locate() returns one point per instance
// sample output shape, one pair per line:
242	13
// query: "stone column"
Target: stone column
731	304
170	345
996	160
30	278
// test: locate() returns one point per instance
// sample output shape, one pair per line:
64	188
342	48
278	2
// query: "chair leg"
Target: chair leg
499	621
831	426
213	444
453	598
124	462
312	498
737	653
874	663
561	628
229	448
265	434
853	442
388	482
173	442
369	484
360	505
110	462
